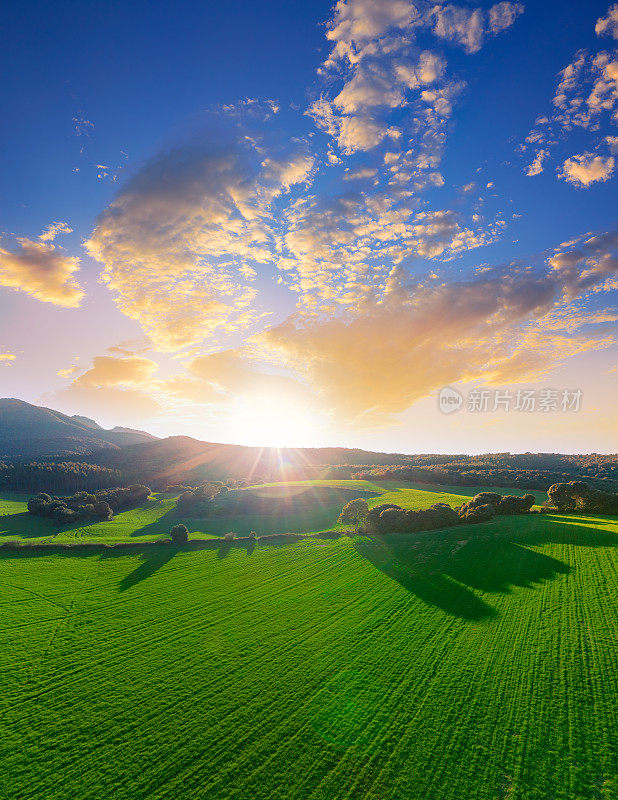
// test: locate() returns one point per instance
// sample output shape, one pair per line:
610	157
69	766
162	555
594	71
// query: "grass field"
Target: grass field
324	500
475	663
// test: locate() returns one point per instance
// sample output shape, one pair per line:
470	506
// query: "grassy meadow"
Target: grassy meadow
322	503
478	662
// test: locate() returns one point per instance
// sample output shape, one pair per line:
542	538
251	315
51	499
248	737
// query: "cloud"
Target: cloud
503	15
182	241
7	358
357	24
41	269
586	169
111	371
465	26
108	405
68	371
510	324
608	25
586	96
340	251
536	167
587	262
113	387
362	173
468	26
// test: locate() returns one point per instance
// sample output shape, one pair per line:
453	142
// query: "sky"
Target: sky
376	223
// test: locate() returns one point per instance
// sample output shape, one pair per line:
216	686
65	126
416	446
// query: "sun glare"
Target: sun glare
271	421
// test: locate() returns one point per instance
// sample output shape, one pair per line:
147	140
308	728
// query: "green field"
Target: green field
475	663
323	502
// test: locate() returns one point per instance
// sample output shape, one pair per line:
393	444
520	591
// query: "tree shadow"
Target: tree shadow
153	562
446	568
28	526
583	531
403	565
161	526
225	548
497	565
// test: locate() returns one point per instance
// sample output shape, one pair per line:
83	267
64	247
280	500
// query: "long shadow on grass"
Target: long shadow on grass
401	563
444	568
499	564
154	560
26	526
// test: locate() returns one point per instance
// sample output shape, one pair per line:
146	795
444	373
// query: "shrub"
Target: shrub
87	506
482	513
229	536
354	512
512	504
179	534
578	496
253	535
374	513
392	520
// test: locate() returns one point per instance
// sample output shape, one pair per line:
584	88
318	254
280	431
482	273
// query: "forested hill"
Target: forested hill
187	460
31	431
78	453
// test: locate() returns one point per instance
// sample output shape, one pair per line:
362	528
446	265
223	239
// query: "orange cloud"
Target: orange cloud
111	371
181	241
40	269
377	360
114	386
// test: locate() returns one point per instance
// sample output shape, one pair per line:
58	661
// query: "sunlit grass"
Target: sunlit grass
477	662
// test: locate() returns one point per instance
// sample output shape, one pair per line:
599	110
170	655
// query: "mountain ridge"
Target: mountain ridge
31	431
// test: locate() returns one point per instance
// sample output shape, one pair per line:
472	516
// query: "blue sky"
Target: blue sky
329	211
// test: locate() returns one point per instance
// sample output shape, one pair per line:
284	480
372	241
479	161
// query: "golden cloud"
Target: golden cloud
112	371
377	361
181	241
41	270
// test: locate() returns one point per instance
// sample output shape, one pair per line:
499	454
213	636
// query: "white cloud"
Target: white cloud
585	98
468	26
586	169
464	26
503	15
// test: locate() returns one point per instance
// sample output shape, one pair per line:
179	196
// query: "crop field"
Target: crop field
320	506
478	662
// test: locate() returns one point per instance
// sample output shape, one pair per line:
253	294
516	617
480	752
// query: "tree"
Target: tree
355	512
179	534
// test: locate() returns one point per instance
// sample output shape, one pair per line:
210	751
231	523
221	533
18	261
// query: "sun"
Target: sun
278	421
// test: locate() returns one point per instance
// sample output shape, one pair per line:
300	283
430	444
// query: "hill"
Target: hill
31	431
186	460
437	666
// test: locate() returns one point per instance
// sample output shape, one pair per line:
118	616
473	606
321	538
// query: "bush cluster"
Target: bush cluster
486	505
391	518
578	496
83	506
198	501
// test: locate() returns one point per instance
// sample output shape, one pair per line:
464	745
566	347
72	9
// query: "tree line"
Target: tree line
64	476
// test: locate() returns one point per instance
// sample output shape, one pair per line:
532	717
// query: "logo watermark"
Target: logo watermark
525	401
